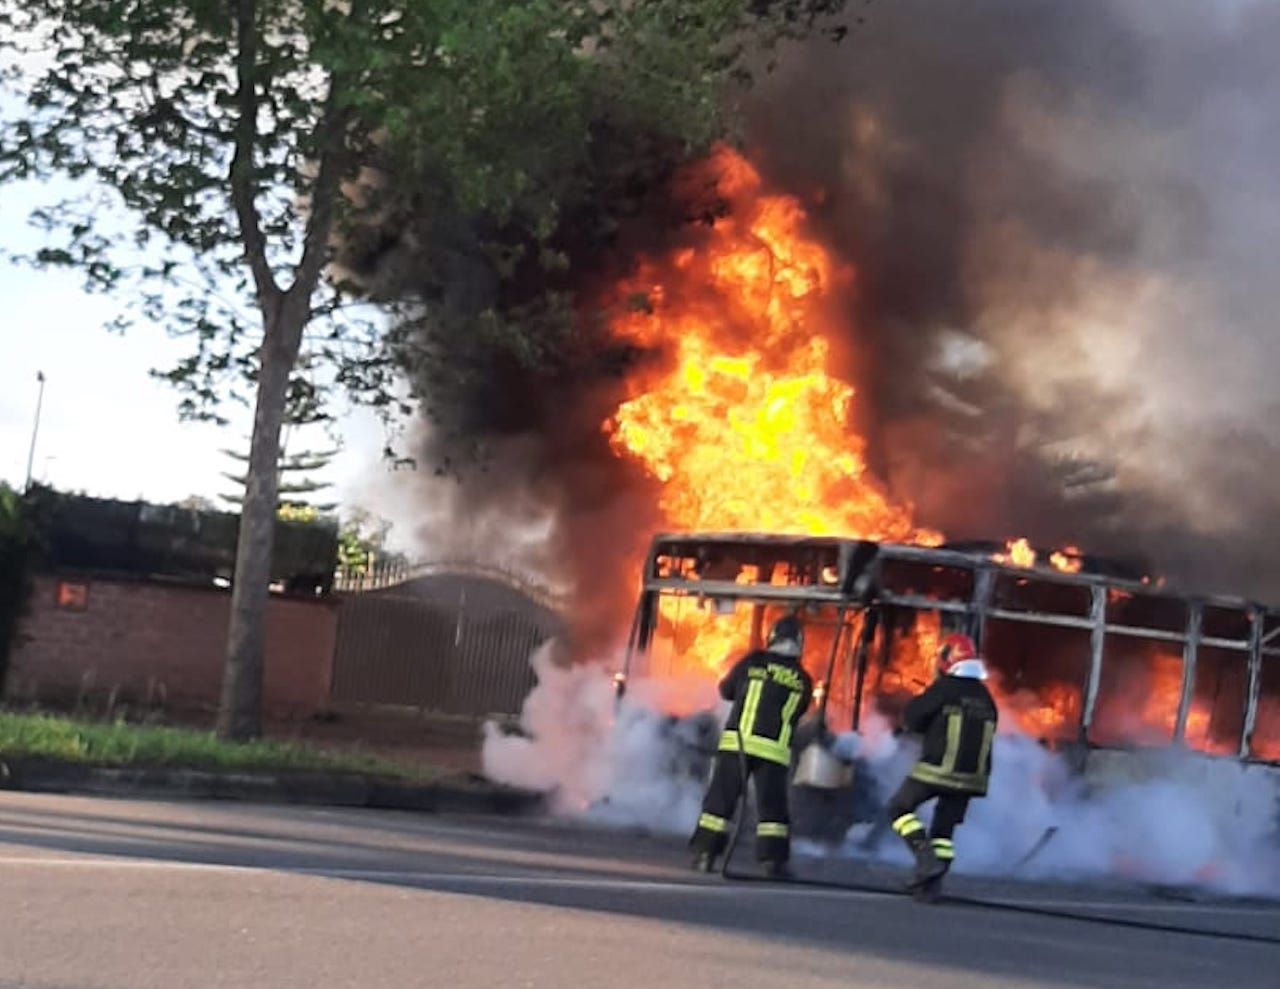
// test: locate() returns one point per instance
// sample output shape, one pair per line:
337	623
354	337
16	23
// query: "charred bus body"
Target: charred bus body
1084	658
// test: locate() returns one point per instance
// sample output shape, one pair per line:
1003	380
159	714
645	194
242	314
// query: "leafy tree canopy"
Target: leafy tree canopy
245	138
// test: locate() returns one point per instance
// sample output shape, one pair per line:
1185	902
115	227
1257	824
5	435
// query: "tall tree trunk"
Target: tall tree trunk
240	714
285	316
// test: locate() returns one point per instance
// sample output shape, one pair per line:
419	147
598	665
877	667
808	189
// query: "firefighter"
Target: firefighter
957	717
770	692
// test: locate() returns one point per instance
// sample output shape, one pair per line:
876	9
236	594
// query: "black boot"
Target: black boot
928	866
944	850
704	862
775	870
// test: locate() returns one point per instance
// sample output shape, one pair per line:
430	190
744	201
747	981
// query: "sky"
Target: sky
107	427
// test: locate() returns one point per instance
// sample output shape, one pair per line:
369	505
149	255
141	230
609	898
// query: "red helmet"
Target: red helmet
955	648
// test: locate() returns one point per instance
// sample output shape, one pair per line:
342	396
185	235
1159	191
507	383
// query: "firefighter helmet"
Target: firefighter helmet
787	637
955	648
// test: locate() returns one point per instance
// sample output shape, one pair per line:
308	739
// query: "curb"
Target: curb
458	797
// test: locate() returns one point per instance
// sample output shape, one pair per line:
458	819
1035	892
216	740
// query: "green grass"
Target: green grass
121	744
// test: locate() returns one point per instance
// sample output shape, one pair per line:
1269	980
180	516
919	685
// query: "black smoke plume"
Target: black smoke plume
1063	219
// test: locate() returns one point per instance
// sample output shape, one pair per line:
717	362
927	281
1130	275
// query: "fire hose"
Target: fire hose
740	816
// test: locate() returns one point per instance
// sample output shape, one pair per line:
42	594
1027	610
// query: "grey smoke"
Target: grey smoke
1086	193
499	516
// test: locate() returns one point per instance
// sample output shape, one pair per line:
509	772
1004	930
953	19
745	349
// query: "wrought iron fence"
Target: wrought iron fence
395	571
456	643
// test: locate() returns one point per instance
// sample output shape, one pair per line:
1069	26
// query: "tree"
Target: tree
303	407
362	541
18	544
293	487
242	137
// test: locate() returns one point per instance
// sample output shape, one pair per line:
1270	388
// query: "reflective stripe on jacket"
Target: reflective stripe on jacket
770	694
957	718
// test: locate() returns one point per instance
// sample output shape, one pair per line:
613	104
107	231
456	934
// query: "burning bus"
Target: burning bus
739	436
801	455
1082	657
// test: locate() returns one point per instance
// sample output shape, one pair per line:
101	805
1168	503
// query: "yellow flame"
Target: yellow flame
745	425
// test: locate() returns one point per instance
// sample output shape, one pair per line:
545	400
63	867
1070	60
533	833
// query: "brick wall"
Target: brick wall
152	640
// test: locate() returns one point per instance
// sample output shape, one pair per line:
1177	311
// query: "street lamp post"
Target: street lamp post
35	430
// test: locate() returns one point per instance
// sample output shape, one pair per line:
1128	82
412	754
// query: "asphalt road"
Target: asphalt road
131	894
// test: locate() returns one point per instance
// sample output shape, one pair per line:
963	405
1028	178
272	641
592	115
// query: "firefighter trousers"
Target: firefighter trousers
773	832
948	815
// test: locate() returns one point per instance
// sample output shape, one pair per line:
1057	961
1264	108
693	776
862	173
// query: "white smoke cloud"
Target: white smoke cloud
1161	817
620	763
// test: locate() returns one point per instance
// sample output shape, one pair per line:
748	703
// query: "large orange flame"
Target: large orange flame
745	425
741	418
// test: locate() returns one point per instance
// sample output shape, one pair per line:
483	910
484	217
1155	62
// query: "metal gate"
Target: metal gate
447	643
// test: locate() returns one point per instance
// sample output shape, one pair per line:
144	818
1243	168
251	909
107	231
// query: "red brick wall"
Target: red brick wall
133	634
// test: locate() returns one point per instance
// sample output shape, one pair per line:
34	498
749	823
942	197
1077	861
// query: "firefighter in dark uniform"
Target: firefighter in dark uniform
770	692
957	717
